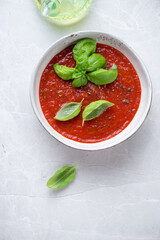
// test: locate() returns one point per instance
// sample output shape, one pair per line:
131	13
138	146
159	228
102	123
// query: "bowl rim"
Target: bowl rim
70	142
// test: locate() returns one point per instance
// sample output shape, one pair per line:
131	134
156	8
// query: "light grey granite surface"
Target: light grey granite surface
116	193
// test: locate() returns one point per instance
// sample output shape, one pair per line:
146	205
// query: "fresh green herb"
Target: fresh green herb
78	74
94	109
68	111
87	61
80	81
62	177
103	76
82	62
64	72
85	46
96	61
81	51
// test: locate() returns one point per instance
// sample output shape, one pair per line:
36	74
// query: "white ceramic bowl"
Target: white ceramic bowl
129	53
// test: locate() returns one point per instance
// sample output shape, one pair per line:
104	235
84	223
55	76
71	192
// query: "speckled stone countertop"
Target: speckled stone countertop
116	193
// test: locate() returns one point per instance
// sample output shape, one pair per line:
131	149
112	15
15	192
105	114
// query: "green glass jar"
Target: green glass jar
63	11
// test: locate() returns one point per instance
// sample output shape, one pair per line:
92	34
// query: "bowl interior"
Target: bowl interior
134	59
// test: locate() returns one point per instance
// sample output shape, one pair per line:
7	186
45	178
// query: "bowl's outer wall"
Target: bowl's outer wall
134	59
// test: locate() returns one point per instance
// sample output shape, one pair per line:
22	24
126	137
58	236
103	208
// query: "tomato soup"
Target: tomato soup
124	92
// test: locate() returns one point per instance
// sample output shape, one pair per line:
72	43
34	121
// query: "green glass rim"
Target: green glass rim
67	16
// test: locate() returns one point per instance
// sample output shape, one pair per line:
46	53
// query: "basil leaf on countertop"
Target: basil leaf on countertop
68	111
80	81
64	72
87	46
62	177
96	61
94	109
103	76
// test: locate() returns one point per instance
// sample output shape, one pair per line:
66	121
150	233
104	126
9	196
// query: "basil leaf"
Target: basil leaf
77	74
62	177
64	72
80	81
68	111
103	76
96	61
87	46
82	62
94	109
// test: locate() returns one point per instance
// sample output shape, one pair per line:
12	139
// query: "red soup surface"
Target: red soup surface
124	92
